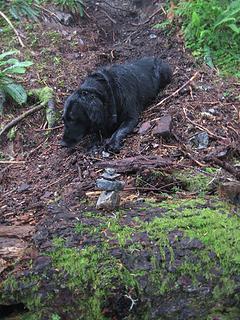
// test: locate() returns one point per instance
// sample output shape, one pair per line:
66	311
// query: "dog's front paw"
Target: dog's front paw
113	146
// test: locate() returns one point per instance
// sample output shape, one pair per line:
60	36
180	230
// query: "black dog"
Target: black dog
111	100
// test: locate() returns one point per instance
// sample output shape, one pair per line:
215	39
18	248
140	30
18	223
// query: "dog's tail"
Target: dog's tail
164	72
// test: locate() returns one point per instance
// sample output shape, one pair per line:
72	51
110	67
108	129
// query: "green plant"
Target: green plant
8	68
20	8
211	30
75	6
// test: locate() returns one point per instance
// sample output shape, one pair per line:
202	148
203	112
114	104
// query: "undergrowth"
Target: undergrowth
211	30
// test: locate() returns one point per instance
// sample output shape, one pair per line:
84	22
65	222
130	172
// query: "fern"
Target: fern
21	8
8	87
212	30
74	6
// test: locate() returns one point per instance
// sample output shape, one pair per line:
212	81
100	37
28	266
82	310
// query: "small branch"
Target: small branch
11	25
12	162
15	121
175	92
149	19
226	166
50	129
133	301
107	15
202	128
46	10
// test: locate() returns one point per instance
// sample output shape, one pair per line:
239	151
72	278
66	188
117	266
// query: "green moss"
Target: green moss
93	273
198	181
43	94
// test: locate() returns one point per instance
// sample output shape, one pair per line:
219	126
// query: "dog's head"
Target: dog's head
83	113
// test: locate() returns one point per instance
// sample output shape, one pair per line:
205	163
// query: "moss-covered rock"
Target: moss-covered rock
169	260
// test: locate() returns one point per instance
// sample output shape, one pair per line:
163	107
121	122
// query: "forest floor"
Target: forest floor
36	173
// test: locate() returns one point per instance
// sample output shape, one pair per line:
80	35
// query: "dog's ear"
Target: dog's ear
95	113
93	107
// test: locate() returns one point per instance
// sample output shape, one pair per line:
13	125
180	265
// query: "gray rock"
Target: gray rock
109	185
200	140
64	18
105	154
163	126
152	36
108	200
23	187
110	174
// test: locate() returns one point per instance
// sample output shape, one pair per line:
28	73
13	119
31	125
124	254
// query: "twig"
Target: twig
11	25
149	19
57	181
175	92
15	121
12	162
37	148
46	10
201	127
227	167
50	129
107	15
133	301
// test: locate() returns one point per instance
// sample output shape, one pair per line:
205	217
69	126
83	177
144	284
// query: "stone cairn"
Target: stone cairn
109	199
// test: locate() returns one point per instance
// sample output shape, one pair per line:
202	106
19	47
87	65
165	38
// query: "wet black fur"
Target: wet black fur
111	100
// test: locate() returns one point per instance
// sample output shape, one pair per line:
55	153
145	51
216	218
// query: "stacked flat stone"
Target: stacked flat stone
109	198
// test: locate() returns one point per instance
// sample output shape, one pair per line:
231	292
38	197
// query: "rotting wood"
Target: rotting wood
134	164
15	231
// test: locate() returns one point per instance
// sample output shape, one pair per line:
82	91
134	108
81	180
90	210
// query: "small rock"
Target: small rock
163	126
140	200
200	140
205	87
207	115
213	111
105	154
109	185
108	200
144	127
64	18
230	191
110	174
152	36
23	187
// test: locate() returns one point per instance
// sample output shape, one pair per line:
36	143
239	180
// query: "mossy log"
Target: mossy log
169	260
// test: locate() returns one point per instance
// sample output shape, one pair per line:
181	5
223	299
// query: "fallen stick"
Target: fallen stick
202	127
149	19
50	129
175	92
15	121
226	166
12	162
11	25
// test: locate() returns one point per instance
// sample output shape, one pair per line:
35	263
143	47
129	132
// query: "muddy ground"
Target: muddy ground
36	173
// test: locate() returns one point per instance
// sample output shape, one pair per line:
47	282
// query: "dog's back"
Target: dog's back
140	80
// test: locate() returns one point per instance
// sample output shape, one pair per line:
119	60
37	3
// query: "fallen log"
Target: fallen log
138	163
